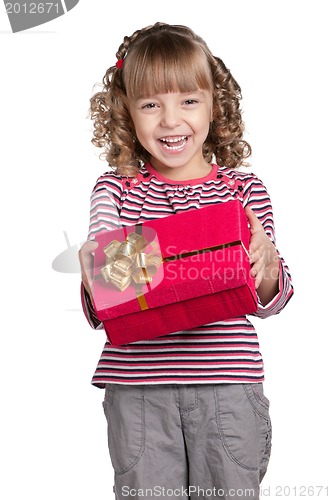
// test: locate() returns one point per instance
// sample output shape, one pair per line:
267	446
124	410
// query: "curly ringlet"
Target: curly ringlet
159	59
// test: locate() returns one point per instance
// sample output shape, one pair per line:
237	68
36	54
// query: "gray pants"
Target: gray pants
188	441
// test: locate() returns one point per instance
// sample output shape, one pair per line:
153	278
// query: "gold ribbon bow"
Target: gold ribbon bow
126	262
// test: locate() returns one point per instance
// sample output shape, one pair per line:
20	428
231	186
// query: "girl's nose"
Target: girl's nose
170	117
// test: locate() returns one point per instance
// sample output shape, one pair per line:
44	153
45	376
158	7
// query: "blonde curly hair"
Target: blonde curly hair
159	59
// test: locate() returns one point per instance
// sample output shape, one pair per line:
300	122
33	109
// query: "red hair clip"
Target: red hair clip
119	63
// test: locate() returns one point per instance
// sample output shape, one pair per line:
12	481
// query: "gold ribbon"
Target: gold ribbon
126	261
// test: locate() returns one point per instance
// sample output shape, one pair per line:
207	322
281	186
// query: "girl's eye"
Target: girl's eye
149	105
191	101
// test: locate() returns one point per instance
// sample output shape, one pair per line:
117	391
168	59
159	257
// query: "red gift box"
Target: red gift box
174	273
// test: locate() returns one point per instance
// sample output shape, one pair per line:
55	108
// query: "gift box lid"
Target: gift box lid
200	251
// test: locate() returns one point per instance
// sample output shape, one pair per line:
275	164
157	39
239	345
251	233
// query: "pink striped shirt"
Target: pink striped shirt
222	352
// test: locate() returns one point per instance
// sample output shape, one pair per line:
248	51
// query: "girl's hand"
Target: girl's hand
264	259
86	261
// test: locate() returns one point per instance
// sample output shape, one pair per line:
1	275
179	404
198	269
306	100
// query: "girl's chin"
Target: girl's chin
168	163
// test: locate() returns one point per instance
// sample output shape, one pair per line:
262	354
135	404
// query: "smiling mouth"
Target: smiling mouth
174	143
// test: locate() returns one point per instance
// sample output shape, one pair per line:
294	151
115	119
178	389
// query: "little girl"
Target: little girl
186	412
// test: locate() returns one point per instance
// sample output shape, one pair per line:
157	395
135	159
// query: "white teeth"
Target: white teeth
175	147
167	141
178	139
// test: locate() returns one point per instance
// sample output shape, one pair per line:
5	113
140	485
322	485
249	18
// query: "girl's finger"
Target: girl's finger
253	219
85	254
87	281
259	278
254	256
86	250
257	272
86	262
258	267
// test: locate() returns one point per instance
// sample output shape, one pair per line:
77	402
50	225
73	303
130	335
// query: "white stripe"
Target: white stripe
184	367
185	350
216	341
181	359
186	374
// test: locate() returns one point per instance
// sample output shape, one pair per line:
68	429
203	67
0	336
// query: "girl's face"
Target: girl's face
172	127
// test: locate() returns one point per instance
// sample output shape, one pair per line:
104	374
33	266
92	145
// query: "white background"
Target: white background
53	431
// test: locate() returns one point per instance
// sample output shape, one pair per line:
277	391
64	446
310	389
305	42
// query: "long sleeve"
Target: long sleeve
104	216
257	198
